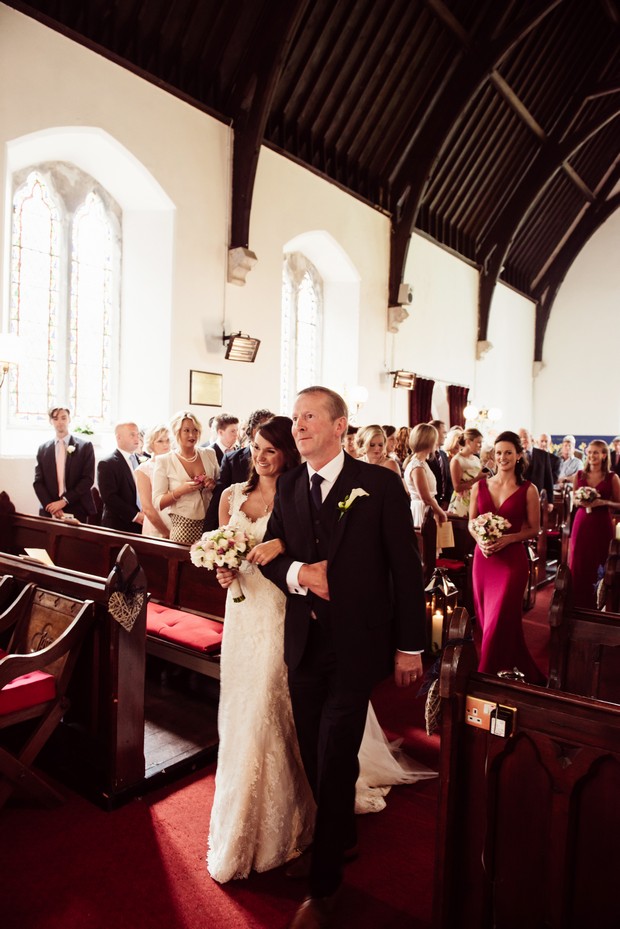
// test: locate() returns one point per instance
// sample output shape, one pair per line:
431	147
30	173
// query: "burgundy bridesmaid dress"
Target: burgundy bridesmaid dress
589	544
499	585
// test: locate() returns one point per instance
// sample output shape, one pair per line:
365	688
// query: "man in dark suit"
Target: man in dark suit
353	579
537	466
439	463
234	468
117	485
227	431
65	471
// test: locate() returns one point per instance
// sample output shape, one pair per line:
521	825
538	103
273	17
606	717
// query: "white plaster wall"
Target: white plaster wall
578	388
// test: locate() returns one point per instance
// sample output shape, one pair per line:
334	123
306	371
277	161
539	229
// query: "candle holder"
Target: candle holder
442	597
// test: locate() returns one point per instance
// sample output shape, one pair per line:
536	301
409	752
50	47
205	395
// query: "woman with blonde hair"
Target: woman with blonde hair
419	479
184	479
372	448
465	471
401	446
156	442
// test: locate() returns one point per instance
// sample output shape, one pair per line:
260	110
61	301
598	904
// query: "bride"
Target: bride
263	809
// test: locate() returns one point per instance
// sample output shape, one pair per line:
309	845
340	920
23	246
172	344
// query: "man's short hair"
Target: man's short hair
352	430
255	419
58	409
224	420
570	438
335	404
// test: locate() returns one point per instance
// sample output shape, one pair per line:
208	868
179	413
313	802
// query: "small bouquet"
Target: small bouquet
225	547
489	526
586	495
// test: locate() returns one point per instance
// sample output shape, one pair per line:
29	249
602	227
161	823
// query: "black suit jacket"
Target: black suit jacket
117	487
79	477
444	488
234	469
373	569
539	471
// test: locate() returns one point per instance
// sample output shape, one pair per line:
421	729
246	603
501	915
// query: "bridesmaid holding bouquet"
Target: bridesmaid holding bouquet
500	561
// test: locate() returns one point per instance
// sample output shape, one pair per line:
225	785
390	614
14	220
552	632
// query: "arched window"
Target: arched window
65	274
302	310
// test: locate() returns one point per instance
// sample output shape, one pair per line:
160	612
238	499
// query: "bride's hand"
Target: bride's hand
225	577
265	552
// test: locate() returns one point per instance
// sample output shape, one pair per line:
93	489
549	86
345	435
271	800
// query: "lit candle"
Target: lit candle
618	530
437	630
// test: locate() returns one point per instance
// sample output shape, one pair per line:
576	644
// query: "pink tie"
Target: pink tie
61	454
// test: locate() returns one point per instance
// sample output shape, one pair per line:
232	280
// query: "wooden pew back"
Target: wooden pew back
528	826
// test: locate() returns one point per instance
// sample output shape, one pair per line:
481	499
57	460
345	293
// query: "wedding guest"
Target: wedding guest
419	479
156	522
372	448
65	471
487	459
452	445
569	463
593	527
440	466
227	430
465	471
340	634
183	480
614	451
117	486
350	441
537	465
390	440
262	821
401	446
235	467
544	442
501	566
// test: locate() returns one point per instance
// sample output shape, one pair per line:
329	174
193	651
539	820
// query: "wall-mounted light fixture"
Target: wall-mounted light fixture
492	413
404	379
10	353
240	347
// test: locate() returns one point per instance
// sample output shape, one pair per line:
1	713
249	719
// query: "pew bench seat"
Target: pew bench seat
190	640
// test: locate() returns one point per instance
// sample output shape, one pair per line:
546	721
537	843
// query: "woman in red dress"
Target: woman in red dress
593	527
501	567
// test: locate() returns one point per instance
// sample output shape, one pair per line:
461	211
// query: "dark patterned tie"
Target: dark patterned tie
315	491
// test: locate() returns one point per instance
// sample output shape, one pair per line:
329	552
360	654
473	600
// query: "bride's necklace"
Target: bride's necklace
190	460
268	506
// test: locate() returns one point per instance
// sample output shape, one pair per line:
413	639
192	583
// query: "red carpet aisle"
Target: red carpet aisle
142	866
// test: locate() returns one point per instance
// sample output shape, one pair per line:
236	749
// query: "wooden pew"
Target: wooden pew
584	645
103	735
528	830
171	579
611	580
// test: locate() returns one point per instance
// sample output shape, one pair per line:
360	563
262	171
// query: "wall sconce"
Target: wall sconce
442	596
240	347
404	379
357	397
10	353
492	413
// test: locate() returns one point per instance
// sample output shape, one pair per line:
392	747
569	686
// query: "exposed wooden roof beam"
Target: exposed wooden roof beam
449	20
579	183
517	105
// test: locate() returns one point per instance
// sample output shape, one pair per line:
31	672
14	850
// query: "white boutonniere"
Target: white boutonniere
70	449
350	499
142	459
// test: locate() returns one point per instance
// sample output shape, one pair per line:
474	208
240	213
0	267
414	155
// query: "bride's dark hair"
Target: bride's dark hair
277	431
514	439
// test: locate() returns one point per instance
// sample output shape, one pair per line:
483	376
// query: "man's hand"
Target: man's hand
55	508
139	517
407	669
314	577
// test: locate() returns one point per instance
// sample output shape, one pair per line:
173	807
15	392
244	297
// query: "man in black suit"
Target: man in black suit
353	579
537	464
439	463
65	471
227	431
117	484
234	468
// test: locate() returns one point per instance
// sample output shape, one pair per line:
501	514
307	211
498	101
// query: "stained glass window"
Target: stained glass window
302	304
64	294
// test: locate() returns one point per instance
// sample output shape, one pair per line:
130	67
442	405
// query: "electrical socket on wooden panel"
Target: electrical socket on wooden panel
478	712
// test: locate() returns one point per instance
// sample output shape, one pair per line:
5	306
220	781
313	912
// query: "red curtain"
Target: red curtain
457	401
420	401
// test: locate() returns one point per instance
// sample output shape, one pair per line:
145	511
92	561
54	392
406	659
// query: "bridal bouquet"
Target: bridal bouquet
586	495
225	547
489	526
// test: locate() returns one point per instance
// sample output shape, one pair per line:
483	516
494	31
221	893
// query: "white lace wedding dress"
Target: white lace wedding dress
263	810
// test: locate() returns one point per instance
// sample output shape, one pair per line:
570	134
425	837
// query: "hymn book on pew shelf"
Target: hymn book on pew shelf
39	554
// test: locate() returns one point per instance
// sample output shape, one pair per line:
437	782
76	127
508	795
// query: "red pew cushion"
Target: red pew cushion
27	690
198	632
